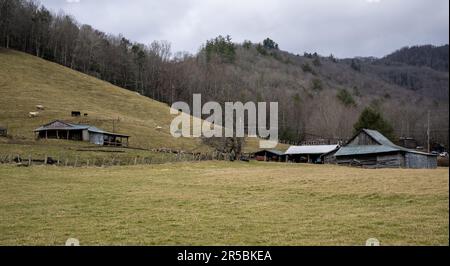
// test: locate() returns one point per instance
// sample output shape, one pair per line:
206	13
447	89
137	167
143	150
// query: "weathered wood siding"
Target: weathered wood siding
362	139
329	159
390	160
357	160
415	160
387	160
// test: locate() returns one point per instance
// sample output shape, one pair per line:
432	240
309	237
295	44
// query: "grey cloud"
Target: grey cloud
345	28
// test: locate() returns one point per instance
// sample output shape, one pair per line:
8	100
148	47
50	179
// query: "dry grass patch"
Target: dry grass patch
215	203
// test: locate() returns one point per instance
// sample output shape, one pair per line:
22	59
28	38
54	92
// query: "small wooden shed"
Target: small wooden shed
64	130
369	148
270	156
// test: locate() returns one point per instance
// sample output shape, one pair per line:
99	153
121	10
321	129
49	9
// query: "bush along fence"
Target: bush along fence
163	157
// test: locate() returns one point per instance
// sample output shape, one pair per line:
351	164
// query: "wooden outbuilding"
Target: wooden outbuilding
309	153
270	156
63	130
369	148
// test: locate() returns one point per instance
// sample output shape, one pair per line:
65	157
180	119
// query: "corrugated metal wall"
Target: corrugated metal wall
415	160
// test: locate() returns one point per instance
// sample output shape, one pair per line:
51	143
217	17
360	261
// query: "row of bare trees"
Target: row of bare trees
30	27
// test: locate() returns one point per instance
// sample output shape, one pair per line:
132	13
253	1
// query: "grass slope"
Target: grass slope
26	81
215	203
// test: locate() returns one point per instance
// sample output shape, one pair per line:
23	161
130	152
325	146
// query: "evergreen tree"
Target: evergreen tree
270	44
372	119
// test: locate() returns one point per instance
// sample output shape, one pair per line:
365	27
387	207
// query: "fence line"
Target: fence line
67	161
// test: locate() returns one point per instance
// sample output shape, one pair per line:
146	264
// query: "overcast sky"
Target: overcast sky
345	28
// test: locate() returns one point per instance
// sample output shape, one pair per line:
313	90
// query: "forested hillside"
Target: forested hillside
320	96
424	55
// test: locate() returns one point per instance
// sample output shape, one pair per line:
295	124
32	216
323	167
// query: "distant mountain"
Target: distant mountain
423	69
322	96
435	57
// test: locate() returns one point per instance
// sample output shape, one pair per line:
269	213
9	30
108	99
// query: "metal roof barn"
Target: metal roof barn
64	130
309	153
369	148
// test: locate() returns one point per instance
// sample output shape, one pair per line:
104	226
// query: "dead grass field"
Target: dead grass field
223	203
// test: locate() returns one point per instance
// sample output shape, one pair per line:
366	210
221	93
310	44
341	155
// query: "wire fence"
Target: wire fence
67	161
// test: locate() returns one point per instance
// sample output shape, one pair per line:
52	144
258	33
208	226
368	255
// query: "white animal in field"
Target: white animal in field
158	128
40	107
33	114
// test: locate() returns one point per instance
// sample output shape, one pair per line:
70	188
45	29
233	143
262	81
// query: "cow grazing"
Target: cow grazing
40	107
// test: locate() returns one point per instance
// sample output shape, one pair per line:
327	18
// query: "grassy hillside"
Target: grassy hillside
223	203
26	81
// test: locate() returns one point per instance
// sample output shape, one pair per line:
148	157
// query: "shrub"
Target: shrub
316	84
317	62
247	44
346	98
356	91
355	65
307	68
270	44
261	49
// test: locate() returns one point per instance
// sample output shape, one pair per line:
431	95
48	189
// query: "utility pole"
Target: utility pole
428	131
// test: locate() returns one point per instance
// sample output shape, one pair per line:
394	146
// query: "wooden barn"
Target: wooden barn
309	153
63	130
369	148
270	156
